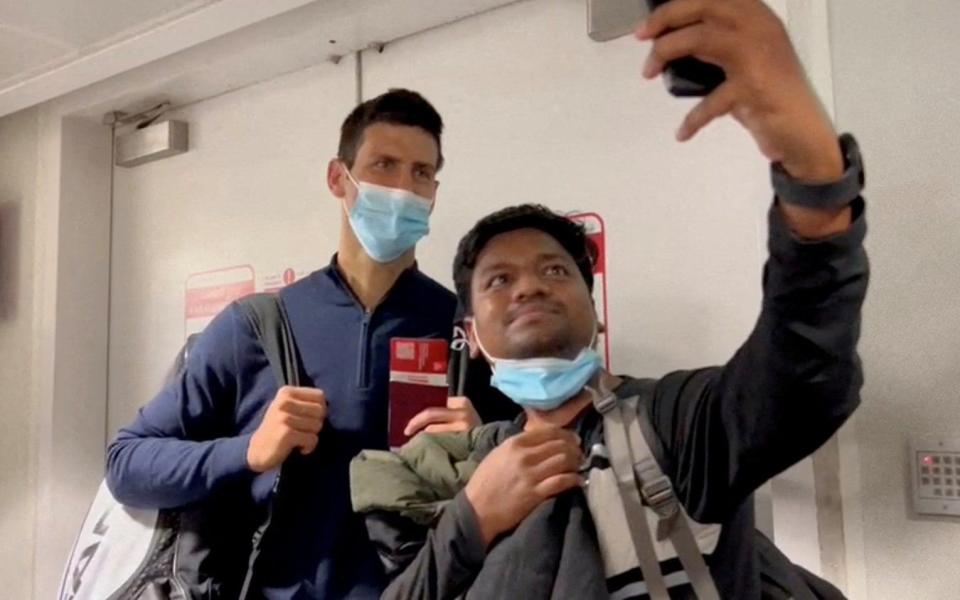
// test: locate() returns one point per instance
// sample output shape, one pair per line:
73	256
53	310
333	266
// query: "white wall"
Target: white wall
18	181
251	191
896	87
535	111
69	356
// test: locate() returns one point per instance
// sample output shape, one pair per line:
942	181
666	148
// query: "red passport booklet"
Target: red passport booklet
418	380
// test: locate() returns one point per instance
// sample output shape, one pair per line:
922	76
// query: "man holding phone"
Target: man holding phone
221	429
521	526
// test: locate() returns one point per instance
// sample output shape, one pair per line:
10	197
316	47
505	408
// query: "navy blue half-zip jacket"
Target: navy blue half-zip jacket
192	438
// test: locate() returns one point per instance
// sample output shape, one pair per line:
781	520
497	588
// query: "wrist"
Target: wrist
484	521
820	167
254	463
816	202
818	159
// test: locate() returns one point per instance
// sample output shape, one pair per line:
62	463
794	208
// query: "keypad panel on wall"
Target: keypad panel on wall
935	473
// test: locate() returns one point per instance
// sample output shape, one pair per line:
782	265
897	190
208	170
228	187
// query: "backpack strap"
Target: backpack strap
622	464
627	440
269	321
271	326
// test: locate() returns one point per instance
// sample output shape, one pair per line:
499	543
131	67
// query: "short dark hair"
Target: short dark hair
569	234
396	107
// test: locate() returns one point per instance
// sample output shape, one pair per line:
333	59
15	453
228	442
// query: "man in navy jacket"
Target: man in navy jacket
222	424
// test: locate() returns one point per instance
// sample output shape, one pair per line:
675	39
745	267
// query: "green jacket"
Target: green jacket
420	478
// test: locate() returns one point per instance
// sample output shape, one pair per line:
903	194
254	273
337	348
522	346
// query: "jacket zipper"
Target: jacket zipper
363	379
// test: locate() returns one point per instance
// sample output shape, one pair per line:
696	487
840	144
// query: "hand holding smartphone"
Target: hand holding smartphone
684	77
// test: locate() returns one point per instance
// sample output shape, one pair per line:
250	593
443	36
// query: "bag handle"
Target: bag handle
272	327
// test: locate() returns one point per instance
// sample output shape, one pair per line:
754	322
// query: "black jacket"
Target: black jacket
720	433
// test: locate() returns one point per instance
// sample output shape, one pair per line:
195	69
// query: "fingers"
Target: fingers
720	102
429	416
557	484
539	436
455	427
302	424
308	410
696	40
458	415
304	402
306	442
305	395
678	14
565	459
671	15
534	455
459	402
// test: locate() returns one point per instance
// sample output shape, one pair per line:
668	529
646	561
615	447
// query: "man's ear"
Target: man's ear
601	326
471	337
336	180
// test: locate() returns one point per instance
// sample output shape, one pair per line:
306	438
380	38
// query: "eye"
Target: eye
498	280
556	270
424	174
383	163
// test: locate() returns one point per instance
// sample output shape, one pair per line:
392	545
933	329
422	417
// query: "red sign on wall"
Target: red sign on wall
210	292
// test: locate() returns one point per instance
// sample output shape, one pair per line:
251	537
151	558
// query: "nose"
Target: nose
405	181
529	285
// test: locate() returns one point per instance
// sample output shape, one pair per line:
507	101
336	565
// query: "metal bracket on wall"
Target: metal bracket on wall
142	118
379	47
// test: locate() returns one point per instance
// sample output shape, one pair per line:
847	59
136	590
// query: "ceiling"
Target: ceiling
39	35
51	48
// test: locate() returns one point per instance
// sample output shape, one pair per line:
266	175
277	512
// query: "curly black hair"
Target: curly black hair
569	234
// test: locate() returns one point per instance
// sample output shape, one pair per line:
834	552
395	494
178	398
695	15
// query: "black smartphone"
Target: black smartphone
685	77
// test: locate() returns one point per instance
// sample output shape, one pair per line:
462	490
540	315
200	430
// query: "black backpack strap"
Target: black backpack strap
272	327
269	321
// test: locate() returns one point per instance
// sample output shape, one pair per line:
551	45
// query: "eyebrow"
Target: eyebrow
542	257
548	256
393	157
497	266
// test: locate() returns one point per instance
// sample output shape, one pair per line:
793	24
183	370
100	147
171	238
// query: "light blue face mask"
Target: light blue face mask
542	383
387	221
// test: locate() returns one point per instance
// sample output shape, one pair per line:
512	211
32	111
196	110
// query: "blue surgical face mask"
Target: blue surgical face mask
387	221
542	383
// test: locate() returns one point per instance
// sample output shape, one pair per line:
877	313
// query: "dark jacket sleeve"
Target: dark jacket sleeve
726	430
182	444
449	560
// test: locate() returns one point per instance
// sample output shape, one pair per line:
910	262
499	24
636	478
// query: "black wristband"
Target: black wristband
834	194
